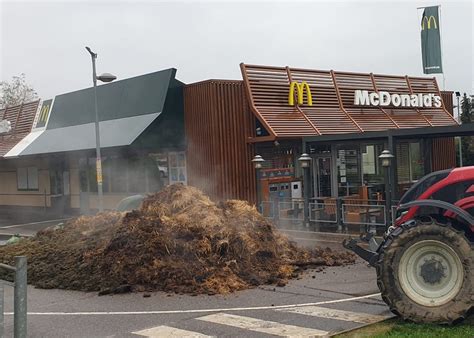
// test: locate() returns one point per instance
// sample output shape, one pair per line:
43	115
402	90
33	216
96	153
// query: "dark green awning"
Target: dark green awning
113	133
126	108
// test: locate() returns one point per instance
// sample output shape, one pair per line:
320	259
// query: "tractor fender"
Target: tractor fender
463	214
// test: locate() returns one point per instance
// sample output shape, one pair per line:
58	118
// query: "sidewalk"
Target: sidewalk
11	215
10	223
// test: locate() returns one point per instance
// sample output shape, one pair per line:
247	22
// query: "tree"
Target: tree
467	142
16	92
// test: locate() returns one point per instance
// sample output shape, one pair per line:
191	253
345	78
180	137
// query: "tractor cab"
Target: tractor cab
449	194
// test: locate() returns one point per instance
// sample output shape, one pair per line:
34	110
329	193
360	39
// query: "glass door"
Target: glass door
322	177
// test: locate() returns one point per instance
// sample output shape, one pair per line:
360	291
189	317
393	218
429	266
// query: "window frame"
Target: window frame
28	188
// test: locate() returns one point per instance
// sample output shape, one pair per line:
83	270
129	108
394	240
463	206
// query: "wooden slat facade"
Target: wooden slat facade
221	119
218	124
443	149
21	118
333	110
443	154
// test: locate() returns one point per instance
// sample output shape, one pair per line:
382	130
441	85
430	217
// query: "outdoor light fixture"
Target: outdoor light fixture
305	160
106	77
386	158
458	94
258	161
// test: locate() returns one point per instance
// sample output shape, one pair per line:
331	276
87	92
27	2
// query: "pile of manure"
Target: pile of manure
177	241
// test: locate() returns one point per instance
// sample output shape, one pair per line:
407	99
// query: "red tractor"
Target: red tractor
425	263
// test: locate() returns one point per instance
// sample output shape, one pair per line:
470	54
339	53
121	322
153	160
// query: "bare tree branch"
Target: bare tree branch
16	91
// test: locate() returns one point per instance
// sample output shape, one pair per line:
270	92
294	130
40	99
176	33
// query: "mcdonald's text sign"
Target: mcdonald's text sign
384	99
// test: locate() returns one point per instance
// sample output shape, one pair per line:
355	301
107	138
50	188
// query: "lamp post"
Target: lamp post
305	162
386	161
257	163
458	95
106	77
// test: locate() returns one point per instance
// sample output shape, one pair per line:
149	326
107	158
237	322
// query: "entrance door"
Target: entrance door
60	199
322	177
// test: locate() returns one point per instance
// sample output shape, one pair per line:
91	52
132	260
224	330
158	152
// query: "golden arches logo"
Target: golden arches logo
427	21
44	113
300	89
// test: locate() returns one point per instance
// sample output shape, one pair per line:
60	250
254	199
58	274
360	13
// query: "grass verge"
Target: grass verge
398	328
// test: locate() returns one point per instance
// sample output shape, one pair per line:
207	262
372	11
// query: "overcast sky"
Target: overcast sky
45	40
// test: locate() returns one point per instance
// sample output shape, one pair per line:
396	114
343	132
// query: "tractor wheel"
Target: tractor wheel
425	273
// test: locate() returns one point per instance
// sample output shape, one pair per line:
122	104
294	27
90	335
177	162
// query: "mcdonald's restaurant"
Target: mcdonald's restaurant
278	136
340	122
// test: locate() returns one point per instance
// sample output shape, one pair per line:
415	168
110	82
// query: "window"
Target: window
119	175
368	160
417	168
453	192
421	186
349	170
27	178
410	162
177	164
136	175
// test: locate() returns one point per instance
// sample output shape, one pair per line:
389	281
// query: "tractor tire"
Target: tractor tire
425	272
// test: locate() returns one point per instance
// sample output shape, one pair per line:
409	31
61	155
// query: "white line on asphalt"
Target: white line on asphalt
20	225
316	240
168	331
323	234
323	312
264	326
159	312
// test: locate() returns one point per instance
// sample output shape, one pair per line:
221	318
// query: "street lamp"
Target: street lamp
386	160
305	162
257	163
106	77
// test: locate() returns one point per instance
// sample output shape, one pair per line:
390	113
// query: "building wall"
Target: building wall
218	124
444	153
443	149
74	183
9	192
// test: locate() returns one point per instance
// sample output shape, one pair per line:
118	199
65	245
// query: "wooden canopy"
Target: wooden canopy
332	110
21	118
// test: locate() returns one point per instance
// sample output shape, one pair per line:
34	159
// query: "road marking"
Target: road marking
316	240
168	331
324	312
33	223
264	326
160	312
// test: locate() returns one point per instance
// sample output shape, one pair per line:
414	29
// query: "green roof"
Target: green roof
139	95
143	112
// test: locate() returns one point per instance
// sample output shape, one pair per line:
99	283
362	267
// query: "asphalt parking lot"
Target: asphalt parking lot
318	304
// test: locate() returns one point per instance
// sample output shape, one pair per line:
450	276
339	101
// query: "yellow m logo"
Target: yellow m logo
44	113
428	22
300	89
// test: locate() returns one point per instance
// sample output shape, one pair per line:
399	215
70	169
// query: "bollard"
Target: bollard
20	301
1	310
339	216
